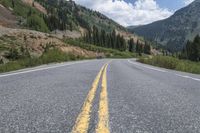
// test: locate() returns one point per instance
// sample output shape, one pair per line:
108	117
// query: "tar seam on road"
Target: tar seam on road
103	124
40	69
188	77
82	122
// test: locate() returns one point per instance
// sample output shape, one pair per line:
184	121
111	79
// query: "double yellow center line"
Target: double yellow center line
103	124
83	119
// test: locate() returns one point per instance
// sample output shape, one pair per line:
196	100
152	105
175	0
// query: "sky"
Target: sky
135	12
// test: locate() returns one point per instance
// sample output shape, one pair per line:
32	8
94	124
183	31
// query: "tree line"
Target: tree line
192	50
139	47
103	39
115	41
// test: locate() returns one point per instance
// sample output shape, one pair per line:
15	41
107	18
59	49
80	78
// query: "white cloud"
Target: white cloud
187	2
138	13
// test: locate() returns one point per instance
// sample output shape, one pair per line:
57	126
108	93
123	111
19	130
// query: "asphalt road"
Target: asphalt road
81	97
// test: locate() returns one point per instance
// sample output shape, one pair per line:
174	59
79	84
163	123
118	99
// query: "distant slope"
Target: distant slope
173	32
133	27
57	15
61	17
67	15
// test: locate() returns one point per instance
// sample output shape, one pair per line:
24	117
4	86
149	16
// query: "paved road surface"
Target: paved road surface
89	96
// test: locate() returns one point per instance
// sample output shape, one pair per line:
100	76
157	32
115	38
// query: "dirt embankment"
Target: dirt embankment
7	19
37	42
128	35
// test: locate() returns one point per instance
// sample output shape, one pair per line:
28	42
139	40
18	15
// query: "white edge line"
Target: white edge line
40	69
183	76
188	77
147	67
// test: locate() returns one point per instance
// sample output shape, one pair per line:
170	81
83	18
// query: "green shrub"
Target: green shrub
13	53
109	53
52	55
172	63
37	23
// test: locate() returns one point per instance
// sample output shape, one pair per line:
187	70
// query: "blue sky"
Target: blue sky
169	4
135	12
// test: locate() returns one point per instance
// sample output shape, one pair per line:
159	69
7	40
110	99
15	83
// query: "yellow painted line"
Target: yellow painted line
82	122
103	116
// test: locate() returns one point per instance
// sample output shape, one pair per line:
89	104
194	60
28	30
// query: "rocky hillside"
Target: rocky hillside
7	19
63	18
174	31
54	16
36	43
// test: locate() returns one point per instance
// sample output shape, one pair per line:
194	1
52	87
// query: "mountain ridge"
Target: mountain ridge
59	16
68	13
174	31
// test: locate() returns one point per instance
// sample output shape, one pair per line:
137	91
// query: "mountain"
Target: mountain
133	27
29	29
61	17
174	31
52	15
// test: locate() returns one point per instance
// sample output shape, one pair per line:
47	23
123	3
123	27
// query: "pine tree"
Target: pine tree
113	39
89	35
147	48
197	45
33	4
29	12
118	41
103	38
192	49
137	46
131	45
13	4
194	53
122	44
108	41
95	35
141	49
71	26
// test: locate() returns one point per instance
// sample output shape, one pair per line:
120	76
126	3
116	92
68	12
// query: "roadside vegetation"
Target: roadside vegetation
188	60
50	56
20	58
172	63
22	52
109	53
